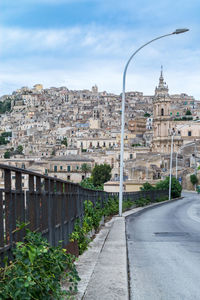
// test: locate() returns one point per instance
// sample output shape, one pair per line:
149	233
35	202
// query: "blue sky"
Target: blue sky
79	43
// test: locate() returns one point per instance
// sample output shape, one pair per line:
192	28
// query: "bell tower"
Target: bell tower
161	117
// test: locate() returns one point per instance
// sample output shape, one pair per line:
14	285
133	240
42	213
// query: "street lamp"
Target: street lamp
170	172
177	31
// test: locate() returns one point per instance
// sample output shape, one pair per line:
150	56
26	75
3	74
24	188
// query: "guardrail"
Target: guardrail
48	204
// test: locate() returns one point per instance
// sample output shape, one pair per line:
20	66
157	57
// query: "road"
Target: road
164	251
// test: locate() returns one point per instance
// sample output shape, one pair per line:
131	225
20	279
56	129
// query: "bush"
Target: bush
147	187
188	113
143	201
80	235
87	183
176	188
111	207
193	179
93	214
7	154
37	270
92	218
162	198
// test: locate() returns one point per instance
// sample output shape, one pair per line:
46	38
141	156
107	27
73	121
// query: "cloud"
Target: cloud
81	56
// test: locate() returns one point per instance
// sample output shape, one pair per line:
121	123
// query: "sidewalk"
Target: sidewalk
103	267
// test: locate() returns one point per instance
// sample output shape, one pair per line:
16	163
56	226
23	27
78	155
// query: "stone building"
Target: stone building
163	126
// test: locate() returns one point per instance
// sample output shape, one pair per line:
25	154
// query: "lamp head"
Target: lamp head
180	30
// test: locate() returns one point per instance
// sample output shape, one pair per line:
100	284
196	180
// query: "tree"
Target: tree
64	142
147	187
7	154
147	115
85	168
176	188
188	113
3	141
5	106
6	134
19	149
101	174
88	184
193	179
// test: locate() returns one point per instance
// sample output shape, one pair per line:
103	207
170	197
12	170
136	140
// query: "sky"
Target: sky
80	43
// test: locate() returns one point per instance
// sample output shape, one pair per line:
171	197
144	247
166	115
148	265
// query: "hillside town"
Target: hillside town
55	131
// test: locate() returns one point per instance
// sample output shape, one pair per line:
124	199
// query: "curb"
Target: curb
139	210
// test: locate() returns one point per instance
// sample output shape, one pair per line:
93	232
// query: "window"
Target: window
170	113
162	111
68	168
131	156
104	144
55	168
61	168
179	132
177	113
68	177
46	171
83	177
77	167
189	133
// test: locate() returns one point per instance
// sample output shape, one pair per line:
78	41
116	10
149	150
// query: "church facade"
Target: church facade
163	124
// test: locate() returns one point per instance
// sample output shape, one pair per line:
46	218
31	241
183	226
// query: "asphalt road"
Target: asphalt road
164	251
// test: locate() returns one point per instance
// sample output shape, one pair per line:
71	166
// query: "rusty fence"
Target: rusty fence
47	204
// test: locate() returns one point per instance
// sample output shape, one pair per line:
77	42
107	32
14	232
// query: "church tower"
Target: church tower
162	120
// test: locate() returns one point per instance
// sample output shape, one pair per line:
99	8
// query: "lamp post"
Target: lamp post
177	31
170	172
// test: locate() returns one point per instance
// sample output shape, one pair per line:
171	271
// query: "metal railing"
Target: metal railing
47	204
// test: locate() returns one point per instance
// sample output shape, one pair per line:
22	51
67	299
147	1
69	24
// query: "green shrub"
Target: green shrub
147	187
93	214
87	183
193	179
127	204
37	271
111	207
142	201
80	235
176	188
92	218
162	198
